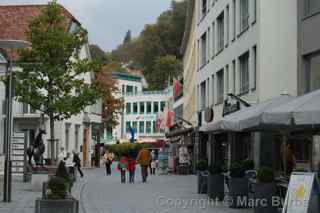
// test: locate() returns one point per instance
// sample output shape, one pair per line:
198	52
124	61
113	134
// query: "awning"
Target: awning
247	118
302	111
179	132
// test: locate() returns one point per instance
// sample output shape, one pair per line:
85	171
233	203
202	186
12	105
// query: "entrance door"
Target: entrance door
85	146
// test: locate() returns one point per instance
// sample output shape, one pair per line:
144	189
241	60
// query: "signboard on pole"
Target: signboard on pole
302	191
18	157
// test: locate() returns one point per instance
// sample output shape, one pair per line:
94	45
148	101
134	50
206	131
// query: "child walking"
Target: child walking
122	166
131	169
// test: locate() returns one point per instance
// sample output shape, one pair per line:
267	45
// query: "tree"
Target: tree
165	68
98	54
112	106
127	38
52	79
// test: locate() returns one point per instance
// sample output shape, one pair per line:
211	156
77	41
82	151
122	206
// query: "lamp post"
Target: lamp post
11	45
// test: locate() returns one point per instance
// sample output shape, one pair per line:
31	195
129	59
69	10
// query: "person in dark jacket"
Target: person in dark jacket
77	163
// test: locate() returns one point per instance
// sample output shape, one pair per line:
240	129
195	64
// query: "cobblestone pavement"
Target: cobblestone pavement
99	193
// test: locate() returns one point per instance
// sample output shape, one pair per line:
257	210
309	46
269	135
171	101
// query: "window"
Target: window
128	126
128	108
204	8
234	16
135	107
255	67
227	24
67	136
154	127
244	15
162	105
148	127
244	73
227	79
311	7
129	89
314	72
254	10
220	85
155	107
141	127
212	90
234	76
203	49
76	136
135	125
149	107
141	107
220	32
213	39
123	89
208	45
203	95
135	90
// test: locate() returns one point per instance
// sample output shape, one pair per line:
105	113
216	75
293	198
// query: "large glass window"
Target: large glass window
141	127
311	7
213	39
244	73
129	89
142	110
155	107
213	90
135	125
162	105
220	32
220	86
149	107
135	108
314	73
227	24
128	108
244	14
203	95
234	16
128	125
148	127
203	49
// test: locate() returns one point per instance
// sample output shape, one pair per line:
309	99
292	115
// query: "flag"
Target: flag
169	120
176	88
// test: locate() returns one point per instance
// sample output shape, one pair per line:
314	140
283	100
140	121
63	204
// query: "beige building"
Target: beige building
189	52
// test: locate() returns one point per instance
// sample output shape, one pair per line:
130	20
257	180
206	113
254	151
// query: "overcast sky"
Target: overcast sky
107	21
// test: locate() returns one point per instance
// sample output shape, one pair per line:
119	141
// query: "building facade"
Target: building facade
248	49
79	133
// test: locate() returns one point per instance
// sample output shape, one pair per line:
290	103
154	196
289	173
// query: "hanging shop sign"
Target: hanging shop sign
229	108
208	115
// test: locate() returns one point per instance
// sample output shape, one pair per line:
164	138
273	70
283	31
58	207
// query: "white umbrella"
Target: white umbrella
247	118
302	111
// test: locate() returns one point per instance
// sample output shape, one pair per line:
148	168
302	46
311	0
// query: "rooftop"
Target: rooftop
126	76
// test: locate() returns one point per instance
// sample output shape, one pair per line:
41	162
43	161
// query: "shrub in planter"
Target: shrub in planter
248	165
202	166
216	182
57	187
238	186
265	189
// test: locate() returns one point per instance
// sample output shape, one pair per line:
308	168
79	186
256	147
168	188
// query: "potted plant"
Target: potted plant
216	182
238	186
202	167
57	198
265	189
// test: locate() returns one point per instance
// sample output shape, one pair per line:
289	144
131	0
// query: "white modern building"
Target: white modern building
247	48
141	108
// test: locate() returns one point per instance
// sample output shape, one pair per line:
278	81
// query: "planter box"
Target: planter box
265	191
216	186
202	183
57	206
238	192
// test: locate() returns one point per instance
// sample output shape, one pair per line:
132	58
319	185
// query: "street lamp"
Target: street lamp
11	45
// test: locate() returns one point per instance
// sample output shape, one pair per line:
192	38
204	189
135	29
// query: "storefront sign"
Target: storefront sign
301	187
229	108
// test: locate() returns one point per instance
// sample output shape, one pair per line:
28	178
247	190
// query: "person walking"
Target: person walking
144	159
153	167
131	169
122	167
77	162
108	159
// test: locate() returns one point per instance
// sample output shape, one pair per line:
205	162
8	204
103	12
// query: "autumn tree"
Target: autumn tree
98	54
112	106
52	76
